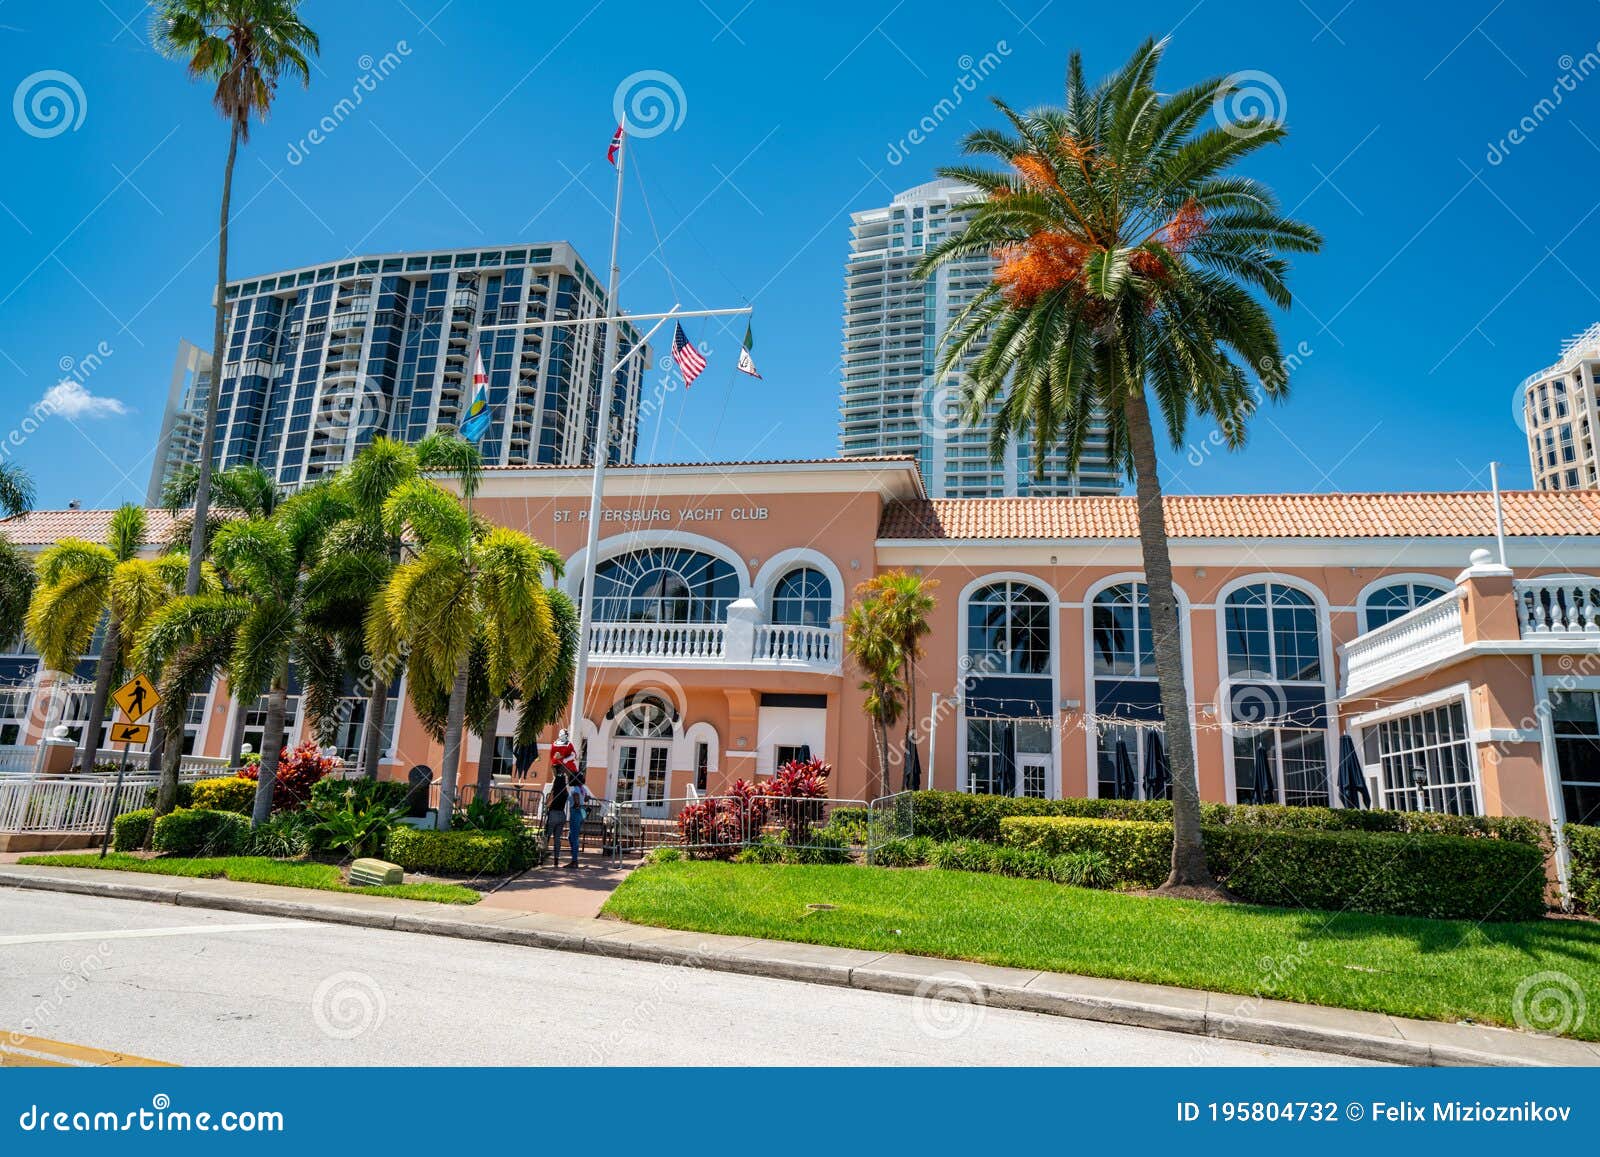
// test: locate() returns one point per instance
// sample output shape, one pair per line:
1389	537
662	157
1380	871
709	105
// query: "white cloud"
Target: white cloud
69	399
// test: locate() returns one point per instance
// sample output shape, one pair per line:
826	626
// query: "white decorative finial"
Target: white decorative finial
1480	557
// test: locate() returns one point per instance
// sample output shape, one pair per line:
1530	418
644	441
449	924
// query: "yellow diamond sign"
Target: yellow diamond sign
136	698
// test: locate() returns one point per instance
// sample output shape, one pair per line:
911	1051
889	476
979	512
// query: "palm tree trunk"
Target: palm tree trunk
454	732
236	714
169	739
372	732
271	748
911	715
208	441
110	651
881	729
1189	869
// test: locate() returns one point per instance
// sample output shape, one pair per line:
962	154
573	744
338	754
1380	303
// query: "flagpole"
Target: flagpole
602	455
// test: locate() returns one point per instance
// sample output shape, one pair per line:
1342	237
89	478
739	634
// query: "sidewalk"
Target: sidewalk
1373	1036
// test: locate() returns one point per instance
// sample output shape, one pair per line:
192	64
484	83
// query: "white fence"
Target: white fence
77	803
1556	606
813	646
1408	643
657	640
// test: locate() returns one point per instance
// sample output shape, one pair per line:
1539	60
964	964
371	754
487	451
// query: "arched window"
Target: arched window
1122	641
664	585
1273	632
1008	630
1277	705
1388	603
802	598
649	719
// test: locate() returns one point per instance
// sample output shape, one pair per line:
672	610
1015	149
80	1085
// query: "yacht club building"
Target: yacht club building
1467	685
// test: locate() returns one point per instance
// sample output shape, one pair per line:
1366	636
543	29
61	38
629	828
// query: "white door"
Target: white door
1033	775
641	755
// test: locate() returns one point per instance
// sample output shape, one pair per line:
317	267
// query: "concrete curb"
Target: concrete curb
1344	1032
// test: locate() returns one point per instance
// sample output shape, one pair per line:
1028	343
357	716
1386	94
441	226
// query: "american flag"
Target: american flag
690	360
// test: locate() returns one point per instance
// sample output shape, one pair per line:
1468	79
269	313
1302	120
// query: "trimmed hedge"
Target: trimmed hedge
201	832
952	815
465	853
228	793
364	794
1443	877
1584	845
130	830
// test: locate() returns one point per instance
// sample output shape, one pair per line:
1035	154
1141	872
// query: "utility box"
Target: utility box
369	873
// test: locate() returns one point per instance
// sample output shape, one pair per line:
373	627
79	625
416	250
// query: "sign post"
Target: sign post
135	699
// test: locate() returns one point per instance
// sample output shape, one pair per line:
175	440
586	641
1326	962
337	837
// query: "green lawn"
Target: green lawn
258	870
1435	969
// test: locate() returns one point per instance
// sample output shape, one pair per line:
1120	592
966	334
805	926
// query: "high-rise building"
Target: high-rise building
321	360
1559	413
892	400
183	421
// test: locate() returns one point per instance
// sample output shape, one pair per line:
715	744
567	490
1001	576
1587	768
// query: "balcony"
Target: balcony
1559	608
1410	643
743	641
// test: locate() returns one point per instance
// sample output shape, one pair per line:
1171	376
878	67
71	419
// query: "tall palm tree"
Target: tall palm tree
83	583
16	568
904	602
266	562
877	652
1129	262
245	48
463	587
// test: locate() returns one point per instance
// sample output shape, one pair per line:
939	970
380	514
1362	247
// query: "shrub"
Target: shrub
951	815
185	796
1439	876
201	832
1089	868
361	793
228	793
1583	843
465	853
131	830
904	852
285	836
665	855
766	849
820	846
299	771
964	856
851	822
343	828
1138	853
499	816
717	828
791	791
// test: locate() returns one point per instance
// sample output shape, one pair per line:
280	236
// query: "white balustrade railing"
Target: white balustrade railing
1559	606
813	646
1408	643
657	640
202	766
16	759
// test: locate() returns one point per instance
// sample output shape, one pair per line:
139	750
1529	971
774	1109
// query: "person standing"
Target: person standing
555	813
578	797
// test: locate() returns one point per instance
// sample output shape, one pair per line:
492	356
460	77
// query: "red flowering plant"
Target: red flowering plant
298	771
719	827
790	793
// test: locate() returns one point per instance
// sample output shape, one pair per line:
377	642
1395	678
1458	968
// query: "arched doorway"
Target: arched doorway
641	749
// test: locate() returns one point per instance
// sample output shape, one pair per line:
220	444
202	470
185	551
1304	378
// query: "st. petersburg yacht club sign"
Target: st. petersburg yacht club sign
657	516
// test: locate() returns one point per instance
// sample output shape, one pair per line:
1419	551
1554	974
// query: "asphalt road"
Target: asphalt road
194	987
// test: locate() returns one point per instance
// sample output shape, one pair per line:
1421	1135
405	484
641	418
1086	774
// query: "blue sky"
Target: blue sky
1456	259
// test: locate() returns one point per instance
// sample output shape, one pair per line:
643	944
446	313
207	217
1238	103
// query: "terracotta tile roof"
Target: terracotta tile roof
1443	515
867	459
42	528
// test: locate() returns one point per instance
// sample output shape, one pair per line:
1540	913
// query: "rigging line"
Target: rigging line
660	250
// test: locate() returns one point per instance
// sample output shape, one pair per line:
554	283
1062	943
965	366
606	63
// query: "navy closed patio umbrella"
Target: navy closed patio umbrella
1127	786
1353	790
1266	788
913	773
1157	775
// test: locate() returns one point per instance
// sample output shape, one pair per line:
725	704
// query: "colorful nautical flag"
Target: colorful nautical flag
690	360
747	360
475	423
616	143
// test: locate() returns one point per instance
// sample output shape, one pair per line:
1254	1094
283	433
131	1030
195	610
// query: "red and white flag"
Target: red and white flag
616	143
690	360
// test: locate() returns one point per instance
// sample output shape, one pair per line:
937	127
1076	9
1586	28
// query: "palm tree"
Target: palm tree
266	562
1128	260
877	652
465	587
16	568
82	583
246	48
359	555
904	602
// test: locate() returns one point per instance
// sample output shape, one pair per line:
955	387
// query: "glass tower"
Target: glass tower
891	399
321	360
